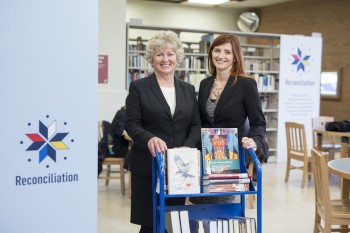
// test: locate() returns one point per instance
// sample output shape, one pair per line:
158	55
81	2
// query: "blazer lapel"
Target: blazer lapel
159	95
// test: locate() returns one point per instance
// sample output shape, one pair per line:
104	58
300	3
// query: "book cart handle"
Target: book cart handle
158	176
259	189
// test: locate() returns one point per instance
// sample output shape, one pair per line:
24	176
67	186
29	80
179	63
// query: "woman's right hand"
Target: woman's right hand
158	144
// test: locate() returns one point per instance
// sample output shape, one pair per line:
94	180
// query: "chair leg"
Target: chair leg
305	174
122	177
287	171
108	174
317	222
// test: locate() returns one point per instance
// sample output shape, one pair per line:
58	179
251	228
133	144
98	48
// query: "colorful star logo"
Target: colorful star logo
300	61
47	141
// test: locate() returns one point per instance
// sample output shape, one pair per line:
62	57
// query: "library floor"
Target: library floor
286	207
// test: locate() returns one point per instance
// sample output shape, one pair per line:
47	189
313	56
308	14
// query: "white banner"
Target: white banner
299	86
48	86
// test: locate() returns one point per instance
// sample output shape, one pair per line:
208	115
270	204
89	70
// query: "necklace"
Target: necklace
216	91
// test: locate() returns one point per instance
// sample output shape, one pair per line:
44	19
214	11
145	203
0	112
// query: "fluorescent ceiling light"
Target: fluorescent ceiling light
209	2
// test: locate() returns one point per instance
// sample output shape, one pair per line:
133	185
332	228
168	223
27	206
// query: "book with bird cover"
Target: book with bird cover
220	150
183	171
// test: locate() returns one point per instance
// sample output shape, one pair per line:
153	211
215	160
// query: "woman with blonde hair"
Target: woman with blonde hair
162	113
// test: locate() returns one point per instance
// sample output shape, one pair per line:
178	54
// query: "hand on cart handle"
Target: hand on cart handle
249	143
156	144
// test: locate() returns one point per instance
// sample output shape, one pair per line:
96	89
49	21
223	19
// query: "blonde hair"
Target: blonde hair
164	39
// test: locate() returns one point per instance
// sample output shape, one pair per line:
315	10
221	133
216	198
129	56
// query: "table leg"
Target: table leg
319	141
344	150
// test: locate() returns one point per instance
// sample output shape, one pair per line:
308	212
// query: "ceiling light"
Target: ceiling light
208	2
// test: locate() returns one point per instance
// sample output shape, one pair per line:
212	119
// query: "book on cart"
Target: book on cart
227	176
183	171
185	221
218	188
220	150
226	181
172	221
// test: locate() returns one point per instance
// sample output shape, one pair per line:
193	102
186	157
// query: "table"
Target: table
344	139
341	168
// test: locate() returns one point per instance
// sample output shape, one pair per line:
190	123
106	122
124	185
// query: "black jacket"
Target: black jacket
237	103
148	115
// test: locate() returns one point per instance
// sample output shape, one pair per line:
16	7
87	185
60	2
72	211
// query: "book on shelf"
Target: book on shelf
227	181
185	221
227	176
225	226
219	225
172	221
220	150
219	188
230	224
183	171
246	224
250	224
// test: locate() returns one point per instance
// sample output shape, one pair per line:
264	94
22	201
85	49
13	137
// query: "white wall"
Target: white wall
177	15
112	31
113	16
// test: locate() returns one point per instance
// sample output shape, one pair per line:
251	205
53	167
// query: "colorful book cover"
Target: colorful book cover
220	150
183	171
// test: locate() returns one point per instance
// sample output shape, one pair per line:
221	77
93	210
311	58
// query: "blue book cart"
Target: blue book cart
205	211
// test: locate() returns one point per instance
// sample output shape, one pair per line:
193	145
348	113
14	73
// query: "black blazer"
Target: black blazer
148	115
236	103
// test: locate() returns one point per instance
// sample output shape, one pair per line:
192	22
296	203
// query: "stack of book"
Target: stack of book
221	166
227	225
177	221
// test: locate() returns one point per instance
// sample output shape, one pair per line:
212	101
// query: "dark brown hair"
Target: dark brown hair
238	66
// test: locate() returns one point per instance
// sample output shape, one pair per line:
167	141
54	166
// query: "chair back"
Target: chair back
320	122
321	176
296	139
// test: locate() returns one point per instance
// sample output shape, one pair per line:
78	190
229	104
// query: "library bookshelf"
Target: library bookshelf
205	211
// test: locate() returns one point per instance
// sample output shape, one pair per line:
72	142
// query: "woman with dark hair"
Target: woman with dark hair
228	98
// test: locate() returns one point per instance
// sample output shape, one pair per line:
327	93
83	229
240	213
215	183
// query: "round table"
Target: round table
341	168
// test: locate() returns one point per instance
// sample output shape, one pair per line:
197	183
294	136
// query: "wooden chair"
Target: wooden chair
297	150
111	161
328	145
328	212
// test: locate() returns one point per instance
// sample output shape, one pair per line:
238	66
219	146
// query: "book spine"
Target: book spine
227	176
227	181
225	188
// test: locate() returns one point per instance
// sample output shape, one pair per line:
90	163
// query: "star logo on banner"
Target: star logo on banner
47	141
300	61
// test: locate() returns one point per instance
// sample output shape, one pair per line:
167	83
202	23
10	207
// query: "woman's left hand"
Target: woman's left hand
248	143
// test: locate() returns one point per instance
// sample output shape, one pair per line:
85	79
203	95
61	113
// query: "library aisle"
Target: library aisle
286	207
